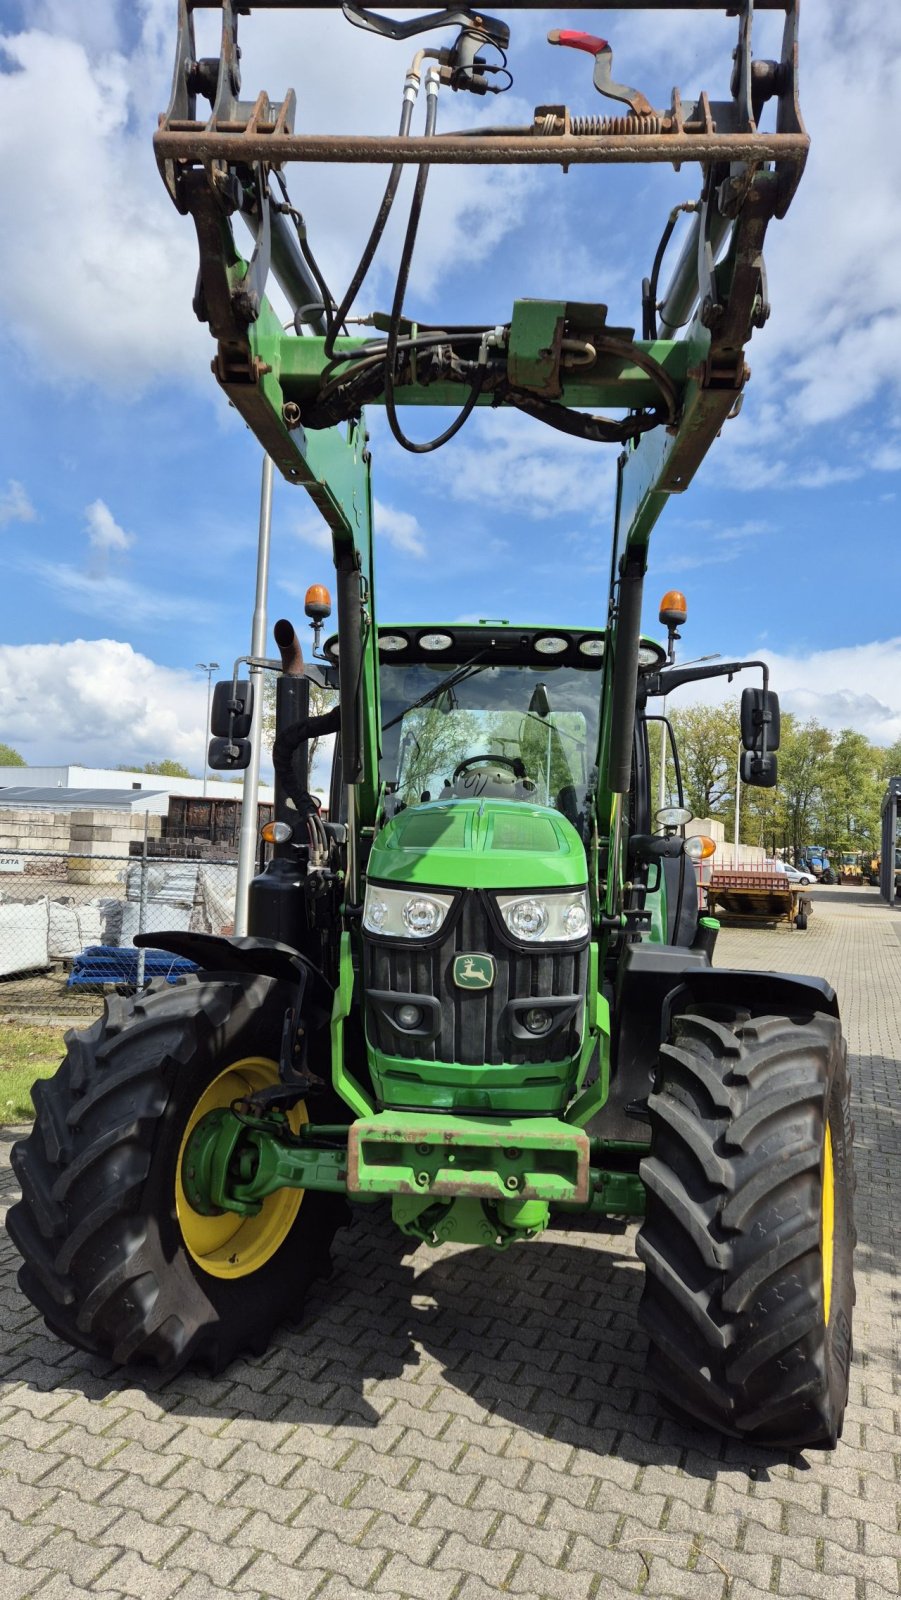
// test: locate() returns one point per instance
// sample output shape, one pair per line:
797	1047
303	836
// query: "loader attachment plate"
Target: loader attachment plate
446	1157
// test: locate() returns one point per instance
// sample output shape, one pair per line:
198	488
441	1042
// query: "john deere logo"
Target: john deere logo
474	972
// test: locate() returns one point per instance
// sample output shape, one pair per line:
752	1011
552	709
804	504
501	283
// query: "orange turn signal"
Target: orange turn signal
673	609
317	602
276	832
699	847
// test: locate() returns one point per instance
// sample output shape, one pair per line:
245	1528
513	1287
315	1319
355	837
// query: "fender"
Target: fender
655	982
267	958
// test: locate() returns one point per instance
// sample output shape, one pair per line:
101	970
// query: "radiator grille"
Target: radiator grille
474	1026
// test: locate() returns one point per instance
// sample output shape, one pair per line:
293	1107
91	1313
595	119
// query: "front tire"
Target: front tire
113	1257
749	1236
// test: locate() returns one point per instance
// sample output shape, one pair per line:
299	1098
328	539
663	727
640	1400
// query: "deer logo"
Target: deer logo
474	971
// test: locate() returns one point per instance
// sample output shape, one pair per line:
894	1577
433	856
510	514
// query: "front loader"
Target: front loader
479	990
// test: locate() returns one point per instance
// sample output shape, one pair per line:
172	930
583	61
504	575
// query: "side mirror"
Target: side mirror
232	713
759	709
761	772
229	755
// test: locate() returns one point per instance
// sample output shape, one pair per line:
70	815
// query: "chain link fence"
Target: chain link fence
68	925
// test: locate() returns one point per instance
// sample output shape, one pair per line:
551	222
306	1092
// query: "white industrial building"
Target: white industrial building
75	777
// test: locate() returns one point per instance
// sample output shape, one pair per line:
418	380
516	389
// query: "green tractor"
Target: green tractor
479	991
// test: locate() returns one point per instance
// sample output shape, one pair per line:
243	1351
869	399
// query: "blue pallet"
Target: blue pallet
110	963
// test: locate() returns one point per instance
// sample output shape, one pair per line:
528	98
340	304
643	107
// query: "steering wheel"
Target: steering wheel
514	763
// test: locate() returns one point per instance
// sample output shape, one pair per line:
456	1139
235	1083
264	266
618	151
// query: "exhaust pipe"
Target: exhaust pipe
289	648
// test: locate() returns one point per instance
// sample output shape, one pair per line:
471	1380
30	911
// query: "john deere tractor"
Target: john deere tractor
478	990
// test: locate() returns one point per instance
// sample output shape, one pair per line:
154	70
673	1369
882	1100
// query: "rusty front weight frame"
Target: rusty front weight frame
243	131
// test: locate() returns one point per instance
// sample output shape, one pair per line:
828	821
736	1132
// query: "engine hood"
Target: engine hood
479	844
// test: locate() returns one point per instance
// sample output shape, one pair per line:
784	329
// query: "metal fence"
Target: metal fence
68	924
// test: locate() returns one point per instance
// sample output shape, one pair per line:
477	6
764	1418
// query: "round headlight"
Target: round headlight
421	916
376	912
527	919
435	641
392	641
408	1016
551	645
592	647
575	921
331	647
536	1020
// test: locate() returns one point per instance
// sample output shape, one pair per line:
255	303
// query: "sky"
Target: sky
129	491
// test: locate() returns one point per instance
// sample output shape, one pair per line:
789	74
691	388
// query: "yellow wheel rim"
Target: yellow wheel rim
828	1222
231	1246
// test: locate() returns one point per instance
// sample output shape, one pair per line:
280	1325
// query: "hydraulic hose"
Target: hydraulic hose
403	275
283	751
406	116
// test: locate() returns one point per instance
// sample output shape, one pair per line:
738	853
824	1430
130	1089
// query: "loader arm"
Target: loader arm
302	391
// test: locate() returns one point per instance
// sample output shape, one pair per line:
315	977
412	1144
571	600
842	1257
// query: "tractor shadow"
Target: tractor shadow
540	1343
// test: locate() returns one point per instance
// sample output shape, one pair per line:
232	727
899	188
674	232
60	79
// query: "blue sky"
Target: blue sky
129	491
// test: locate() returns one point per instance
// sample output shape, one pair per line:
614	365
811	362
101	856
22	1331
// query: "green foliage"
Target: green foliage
830	784
157	769
707	741
167	769
27	1052
10	757
891	762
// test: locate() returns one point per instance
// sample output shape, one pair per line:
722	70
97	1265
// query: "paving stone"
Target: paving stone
268	1577
447	1422
62	1552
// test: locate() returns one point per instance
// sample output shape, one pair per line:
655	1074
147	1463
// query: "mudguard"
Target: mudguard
241	953
656	982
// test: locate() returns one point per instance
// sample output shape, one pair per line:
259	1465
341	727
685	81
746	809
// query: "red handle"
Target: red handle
589	42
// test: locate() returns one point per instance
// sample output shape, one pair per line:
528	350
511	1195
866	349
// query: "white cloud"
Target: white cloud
511	462
102	594
114	306
99	702
15	505
313	530
399	528
853	686
99	286
104	532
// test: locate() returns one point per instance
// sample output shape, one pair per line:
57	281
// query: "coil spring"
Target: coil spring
583	127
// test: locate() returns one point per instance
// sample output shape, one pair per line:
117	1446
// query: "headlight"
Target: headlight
404	913
546	918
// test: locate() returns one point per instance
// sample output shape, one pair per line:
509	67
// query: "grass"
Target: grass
27	1052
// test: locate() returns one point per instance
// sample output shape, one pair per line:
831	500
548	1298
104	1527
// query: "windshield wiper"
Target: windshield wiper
468	670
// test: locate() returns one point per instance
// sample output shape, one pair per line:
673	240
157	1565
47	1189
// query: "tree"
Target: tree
804	756
158	769
321	701
10	757
851	793
891	762
707	742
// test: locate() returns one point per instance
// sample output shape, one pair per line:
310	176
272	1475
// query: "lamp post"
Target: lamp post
248	840
209	667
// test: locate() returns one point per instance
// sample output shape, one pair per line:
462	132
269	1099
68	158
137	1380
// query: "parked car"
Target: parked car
799	875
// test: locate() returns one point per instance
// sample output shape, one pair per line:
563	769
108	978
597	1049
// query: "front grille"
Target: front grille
474	1026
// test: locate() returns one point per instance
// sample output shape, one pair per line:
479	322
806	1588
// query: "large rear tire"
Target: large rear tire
749	1236
113	1256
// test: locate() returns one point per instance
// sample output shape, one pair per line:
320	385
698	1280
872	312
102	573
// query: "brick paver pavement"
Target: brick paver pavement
453	1424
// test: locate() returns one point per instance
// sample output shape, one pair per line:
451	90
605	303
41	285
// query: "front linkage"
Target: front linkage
449	1178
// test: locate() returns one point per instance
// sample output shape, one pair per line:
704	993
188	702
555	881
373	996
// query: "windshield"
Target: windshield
511	732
